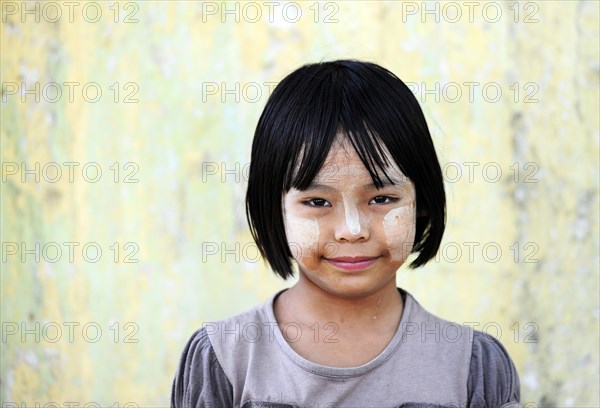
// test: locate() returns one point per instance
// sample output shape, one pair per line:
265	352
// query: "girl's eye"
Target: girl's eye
317	202
383	200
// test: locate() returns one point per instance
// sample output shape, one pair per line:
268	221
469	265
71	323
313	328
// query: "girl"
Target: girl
344	181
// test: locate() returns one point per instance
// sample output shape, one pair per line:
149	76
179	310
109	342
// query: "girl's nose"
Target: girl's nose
350	225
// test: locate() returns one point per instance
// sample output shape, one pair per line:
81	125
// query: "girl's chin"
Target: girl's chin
348	286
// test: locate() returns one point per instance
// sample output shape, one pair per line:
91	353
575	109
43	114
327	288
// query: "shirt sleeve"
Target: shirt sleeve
493	379
200	380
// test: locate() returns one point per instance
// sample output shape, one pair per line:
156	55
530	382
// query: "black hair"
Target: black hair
298	125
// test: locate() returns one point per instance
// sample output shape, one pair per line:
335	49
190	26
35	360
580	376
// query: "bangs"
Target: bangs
335	107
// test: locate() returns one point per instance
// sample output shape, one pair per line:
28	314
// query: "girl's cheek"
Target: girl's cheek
399	228
302	235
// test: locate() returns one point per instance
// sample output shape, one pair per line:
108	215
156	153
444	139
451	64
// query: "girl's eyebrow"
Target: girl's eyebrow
386	183
314	185
318	186
403	181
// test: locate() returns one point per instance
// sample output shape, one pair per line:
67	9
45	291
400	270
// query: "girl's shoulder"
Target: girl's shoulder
493	379
201	376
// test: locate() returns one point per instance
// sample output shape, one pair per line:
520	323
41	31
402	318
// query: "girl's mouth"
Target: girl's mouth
352	263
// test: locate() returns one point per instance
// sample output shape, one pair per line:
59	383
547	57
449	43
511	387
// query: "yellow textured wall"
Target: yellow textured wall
182	85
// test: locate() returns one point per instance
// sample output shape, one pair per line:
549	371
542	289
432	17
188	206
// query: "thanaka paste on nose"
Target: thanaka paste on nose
351	213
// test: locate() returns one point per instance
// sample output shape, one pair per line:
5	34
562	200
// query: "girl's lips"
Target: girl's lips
351	263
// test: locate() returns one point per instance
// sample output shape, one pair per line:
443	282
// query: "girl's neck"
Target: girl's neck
306	303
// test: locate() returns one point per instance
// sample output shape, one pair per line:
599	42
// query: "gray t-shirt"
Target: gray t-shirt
244	361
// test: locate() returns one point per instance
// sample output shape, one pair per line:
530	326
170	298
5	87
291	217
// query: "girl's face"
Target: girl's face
348	237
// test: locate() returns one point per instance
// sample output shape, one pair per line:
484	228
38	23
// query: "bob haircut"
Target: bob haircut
298	125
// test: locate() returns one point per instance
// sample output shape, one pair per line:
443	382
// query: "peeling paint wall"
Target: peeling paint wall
134	195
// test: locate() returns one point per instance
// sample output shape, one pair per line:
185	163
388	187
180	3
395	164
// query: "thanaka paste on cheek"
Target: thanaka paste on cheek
302	234
399	227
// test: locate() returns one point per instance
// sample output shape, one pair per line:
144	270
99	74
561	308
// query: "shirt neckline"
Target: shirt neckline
328	371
